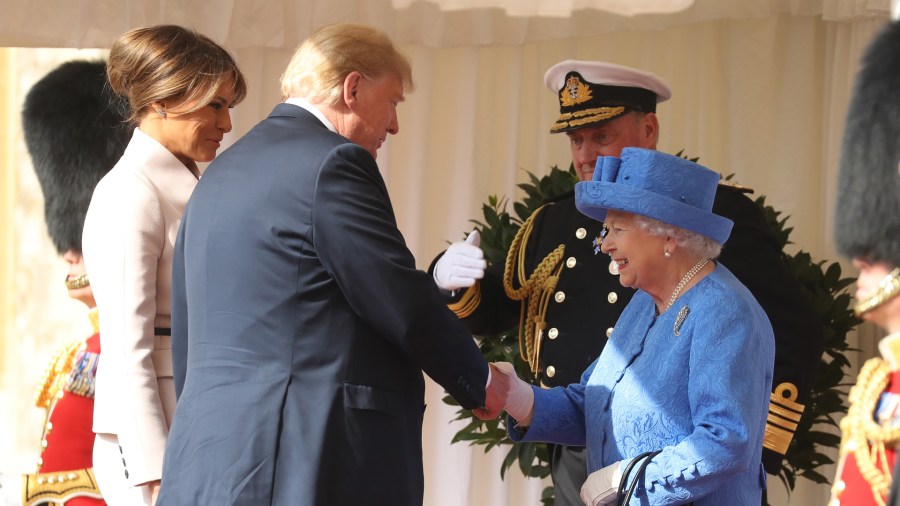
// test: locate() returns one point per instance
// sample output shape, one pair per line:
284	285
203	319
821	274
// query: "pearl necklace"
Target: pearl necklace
685	280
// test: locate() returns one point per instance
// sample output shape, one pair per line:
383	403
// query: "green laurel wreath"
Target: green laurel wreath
818	429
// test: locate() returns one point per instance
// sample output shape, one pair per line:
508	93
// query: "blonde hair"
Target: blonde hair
169	62
322	62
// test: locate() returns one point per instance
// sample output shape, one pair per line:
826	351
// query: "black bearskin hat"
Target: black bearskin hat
75	132
867	222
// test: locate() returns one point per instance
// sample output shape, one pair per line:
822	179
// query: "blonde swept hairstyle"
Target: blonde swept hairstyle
320	64
170	63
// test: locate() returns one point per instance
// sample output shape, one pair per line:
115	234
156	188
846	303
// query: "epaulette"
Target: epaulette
731	184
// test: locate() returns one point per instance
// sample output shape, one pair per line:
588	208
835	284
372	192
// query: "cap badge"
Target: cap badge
575	92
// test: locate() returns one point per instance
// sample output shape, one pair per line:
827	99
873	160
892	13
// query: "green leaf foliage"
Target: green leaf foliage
818	428
823	282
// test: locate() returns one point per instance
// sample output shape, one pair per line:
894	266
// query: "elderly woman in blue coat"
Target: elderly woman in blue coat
688	368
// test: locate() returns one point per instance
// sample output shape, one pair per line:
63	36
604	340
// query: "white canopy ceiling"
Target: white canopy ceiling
431	23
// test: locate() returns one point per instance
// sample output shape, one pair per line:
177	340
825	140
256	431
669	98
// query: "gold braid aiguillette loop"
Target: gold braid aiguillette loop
865	437
535	288
56	374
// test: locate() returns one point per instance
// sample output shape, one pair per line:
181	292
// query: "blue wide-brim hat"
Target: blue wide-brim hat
656	185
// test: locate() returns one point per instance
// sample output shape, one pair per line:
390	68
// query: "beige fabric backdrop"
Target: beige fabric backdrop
760	90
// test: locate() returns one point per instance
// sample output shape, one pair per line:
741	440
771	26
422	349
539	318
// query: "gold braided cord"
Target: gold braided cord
865	437
534	291
56	374
888	288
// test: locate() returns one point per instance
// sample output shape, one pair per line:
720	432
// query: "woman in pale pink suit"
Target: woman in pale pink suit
179	86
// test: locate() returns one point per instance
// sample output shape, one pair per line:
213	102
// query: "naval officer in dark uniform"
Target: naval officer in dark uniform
555	272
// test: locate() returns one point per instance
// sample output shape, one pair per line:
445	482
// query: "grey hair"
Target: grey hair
694	243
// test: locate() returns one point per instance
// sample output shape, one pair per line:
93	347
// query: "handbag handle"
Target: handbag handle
624	492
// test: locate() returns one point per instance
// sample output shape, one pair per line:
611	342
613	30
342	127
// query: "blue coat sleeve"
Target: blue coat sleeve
558	415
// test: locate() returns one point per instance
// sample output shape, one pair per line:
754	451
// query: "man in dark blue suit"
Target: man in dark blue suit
300	325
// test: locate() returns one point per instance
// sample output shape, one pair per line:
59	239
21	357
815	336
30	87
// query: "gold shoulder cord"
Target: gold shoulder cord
865	437
56	374
534	291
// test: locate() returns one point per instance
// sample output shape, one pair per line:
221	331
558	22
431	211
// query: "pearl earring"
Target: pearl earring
666	253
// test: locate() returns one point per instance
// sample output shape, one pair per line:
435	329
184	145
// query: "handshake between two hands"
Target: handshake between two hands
460	267
505	391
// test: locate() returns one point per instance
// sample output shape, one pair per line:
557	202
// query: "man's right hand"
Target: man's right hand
506	391
462	264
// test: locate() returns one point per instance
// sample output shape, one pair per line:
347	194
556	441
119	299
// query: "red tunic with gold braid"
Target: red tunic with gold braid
870	431
64	471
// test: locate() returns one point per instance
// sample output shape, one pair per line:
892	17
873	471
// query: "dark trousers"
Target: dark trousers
568	468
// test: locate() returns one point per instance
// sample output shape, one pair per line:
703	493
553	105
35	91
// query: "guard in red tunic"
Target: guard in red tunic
74	133
867	229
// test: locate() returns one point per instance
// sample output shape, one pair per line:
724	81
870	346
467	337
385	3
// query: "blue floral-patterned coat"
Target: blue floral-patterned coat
693	382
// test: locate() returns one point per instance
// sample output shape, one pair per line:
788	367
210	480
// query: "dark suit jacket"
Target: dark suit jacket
300	331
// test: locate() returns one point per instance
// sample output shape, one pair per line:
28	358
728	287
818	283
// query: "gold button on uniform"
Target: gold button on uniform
580	233
43	443
551	371
49	426
570	262
609	332
553	333
559	297
612	297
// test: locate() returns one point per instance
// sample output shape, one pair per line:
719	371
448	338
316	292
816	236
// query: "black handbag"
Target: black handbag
625	491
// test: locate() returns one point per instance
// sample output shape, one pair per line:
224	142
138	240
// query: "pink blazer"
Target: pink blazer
129	234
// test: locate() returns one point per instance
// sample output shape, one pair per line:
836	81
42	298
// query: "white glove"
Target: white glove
601	486
461	265
519	397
